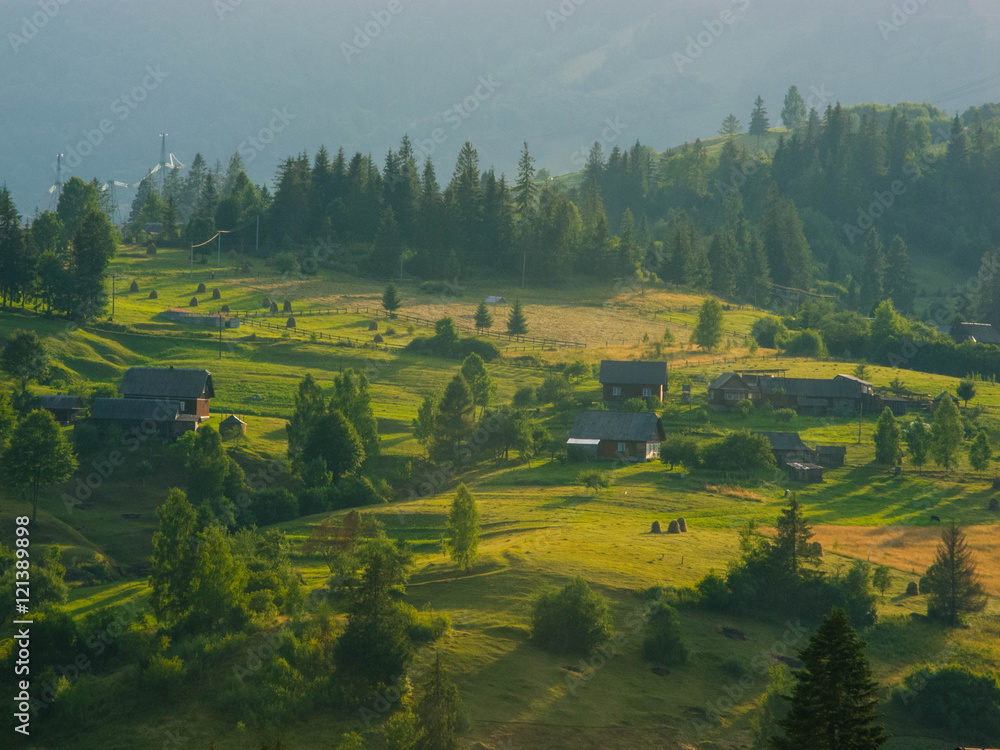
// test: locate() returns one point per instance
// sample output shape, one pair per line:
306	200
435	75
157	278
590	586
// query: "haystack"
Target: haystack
373	326
216	294
912	589
134	286
682	525
274	307
290	323
193	302
201	289
655	528
287	307
378	338
225	309
673	528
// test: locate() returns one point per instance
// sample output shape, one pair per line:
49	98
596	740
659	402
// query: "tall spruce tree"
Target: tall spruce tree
953	585
834	704
525	190
454	421
483	318
899	286
791	544
517	324
793	113
873	272
759	123
438	712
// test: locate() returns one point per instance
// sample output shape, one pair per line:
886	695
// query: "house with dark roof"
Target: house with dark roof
162	416
65	409
625	380
788	448
729	389
815	397
611	435
978	333
191	388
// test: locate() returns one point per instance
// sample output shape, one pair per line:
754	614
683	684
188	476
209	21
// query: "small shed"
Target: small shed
831	456
231	424
802	472
788	448
64	408
585	447
495	300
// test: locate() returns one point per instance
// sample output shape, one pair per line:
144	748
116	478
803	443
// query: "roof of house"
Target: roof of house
617	425
982	333
494	300
633	373
943	394
232	419
729	380
134	409
167	382
842	386
60	402
784	441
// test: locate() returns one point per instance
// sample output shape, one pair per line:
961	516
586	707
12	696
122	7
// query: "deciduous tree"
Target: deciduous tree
38	455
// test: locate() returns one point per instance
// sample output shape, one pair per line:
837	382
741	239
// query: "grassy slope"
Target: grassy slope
539	529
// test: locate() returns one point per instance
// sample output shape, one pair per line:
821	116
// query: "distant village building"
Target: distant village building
65	409
937	400
788	447
232	424
190	317
495	300
625	380
842	394
802	472
161	416
831	456
611	435
978	333
191	388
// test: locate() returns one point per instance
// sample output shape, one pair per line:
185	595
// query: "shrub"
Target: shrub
635	405
680	449
274	506
594	479
426	627
555	389
785	415
662	641
767	331
314	500
807	343
352	492
524	396
163	674
740	452
285	262
485	349
745	408
966	702
575	620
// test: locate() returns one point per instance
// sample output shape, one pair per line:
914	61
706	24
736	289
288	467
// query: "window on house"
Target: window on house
182	406
621	447
616	390
647	392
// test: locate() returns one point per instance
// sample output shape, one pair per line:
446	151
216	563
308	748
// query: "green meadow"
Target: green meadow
540	527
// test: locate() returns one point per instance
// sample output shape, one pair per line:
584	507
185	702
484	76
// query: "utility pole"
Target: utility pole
400	267
218	259
112	296
191	272
220	335
257	249
861	415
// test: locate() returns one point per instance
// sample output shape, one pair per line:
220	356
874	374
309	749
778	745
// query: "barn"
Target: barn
624	380
148	415
65	409
609	435
191	388
788	448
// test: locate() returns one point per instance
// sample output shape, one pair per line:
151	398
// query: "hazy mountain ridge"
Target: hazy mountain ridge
563	69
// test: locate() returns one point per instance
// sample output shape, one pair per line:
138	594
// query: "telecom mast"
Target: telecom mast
56	190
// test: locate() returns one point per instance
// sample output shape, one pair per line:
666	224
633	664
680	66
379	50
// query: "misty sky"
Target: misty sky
270	79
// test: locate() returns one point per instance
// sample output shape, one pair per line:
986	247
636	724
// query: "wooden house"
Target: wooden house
729	389
65	409
789	448
191	388
624	380
612	435
804	472
977	333
161	416
831	456
843	394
